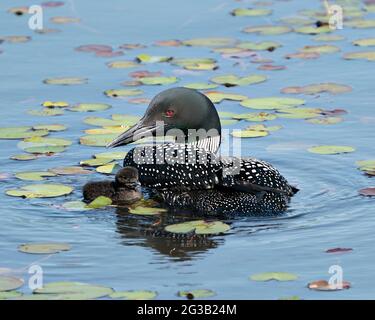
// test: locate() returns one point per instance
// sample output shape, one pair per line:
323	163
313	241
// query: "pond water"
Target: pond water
109	247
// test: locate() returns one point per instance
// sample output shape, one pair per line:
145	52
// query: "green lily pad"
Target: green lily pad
326	120
69	170
75	206
134	295
74	290
109	168
146	211
97	140
232	80
9	295
44	248
217	96
158	80
256	116
320	49
259	46
290	298
197	293
363	55
15	39
228	122
50	127
367	166
361	23
329	87
146	58
95	162
65	81
102	122
34	175
55	104
42	142
10	283
119	93
331	149
328	37
199	227
195	63
21	133
367	42
313	30
100	202
241	12
271	103
46	112
24	157
64	20
89	107
249	134
278	276
201	86
268	29
209	42
45	149
262	127
116	155
124	64
40	191
301	113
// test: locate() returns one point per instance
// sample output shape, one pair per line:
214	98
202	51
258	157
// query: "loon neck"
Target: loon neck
211	143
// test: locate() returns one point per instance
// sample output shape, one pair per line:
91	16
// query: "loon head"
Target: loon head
127	177
188	110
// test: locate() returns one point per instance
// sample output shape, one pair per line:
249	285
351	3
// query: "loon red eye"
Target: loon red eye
169	113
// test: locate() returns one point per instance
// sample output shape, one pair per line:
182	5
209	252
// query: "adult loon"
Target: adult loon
188	173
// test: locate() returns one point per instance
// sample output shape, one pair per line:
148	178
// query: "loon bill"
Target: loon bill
188	170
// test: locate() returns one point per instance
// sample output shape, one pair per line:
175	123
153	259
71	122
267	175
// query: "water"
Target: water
109	247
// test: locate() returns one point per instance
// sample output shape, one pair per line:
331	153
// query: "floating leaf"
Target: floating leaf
145	58
332	88
256	116
97	140
65	81
64	20
10	283
94	48
115	155
262	127
209	42
46	112
328	37
198	227
40	191
232	80
331	149
139	101
70	170
300	113
50	127
74	290
123	64
323	285
278	276
168	43
9	295
271	103
320	49
198	293
217	96
200	86
335	250
303	55
158	80
95	162
134	295
257	46
21	133
267	29
326	120
195	63
19	11
146	211
367	42
34	175
75	206
100	202
369	192
313	30
24	157
43	248
249	133
110	168
119	93
55	104
251	12
15	39
360	23
366	165
89	107
33	144
363	55
45	149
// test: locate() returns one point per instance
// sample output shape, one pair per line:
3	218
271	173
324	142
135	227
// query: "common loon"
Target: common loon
125	189
189	173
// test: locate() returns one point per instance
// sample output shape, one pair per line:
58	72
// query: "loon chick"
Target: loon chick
192	163
125	189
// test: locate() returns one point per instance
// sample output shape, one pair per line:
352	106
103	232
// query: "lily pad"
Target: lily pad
134	295
332	88
97	140
249	134
217	96
24	157
369	192
256	116
21	133
40	191
320	49
8	283
119	93
66	81
158	80
361	23
298	113
331	149
146	211
313	30
44	248
363	55
232	80
34	175
75	206
64	20
271	103
259	46
241	12
45	149
74	290
43	145
9	295
69	170
95	162
109	168
123	64
201	86
325	120
199	227
100	202
90	107
209	42
115	155
195	63
197	293
323	285
50	127
328	37
278	276
367	42
268	29
146	58
46	112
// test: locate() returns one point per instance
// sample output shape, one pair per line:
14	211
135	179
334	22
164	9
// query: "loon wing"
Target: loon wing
253	175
